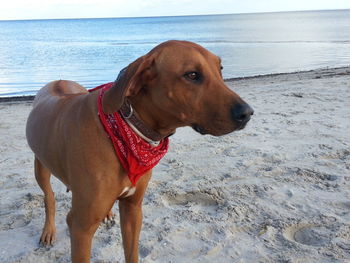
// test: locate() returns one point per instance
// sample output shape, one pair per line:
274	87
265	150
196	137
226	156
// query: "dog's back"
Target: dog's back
58	89
55	108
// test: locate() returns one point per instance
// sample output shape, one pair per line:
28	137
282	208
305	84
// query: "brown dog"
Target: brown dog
176	84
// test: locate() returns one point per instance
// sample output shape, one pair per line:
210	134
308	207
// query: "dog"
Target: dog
71	132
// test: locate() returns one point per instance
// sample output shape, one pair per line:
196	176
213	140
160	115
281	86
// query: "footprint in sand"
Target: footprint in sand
309	234
15	221
194	197
342	209
20	212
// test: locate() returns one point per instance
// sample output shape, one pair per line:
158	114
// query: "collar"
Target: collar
138	126
135	154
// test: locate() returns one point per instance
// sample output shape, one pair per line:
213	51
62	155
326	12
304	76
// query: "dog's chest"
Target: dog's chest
128	191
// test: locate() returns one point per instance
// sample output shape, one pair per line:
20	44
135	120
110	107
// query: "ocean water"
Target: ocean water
92	51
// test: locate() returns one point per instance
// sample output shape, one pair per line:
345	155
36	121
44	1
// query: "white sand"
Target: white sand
277	191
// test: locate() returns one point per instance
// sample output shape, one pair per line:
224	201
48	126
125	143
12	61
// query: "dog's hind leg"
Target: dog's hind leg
42	175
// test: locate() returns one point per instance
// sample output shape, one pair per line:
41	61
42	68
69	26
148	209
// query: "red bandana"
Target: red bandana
135	154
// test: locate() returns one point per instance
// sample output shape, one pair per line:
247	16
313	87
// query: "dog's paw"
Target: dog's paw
109	220
109	217
48	236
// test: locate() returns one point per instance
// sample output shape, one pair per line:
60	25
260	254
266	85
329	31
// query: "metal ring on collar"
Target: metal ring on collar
130	114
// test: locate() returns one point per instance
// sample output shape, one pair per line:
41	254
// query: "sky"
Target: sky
53	9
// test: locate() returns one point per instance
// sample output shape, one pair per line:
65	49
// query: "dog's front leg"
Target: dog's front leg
88	210
130	210
81	233
130	222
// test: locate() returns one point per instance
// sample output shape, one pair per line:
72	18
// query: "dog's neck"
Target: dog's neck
113	101
152	117
146	120
138	125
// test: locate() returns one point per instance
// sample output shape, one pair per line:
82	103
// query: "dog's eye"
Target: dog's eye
221	67
193	76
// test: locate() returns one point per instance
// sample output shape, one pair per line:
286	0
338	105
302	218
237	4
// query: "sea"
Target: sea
93	51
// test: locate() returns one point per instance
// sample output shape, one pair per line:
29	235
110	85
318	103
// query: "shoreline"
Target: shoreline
317	73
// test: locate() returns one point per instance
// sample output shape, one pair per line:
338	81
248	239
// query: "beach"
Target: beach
277	191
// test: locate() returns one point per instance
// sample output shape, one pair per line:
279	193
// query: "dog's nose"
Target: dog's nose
241	112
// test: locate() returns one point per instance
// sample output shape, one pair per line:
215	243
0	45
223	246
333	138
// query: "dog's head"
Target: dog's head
180	83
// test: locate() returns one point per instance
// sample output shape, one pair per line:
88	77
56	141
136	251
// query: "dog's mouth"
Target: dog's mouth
199	129
203	131
242	126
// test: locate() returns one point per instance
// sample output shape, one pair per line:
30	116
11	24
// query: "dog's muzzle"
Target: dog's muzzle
241	114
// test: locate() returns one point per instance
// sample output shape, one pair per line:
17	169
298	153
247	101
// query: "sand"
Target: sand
277	191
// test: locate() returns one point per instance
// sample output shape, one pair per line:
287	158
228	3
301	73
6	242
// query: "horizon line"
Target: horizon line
160	16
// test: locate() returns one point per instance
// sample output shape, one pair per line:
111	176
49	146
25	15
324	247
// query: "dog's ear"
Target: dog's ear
141	72
129	83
